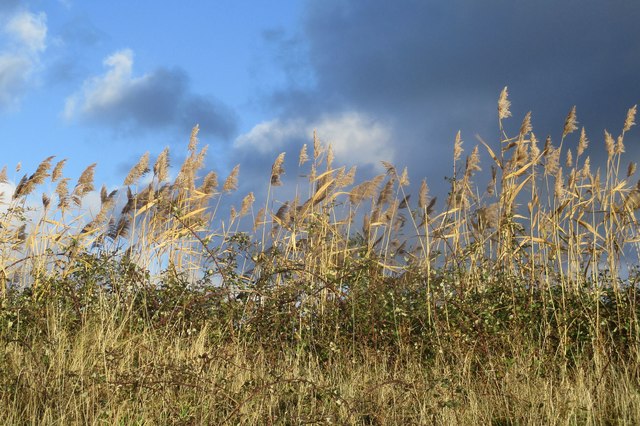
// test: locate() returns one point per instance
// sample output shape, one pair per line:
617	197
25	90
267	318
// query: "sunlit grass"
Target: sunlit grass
512	301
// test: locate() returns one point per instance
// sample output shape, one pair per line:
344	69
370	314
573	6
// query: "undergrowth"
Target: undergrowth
513	302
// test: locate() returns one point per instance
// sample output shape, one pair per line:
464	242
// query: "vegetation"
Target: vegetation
350	304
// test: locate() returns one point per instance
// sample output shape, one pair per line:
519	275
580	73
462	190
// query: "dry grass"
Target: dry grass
513	301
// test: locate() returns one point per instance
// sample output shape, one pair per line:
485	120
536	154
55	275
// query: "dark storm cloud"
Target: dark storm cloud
213	116
435	67
157	100
379	52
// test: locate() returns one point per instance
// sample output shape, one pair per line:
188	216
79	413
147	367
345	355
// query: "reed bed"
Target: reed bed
512	301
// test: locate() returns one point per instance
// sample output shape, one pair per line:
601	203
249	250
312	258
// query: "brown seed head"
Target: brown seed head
85	181
570	124
423	195
277	170
473	162
247	203
57	170
161	167
209	184
231	183
526	127
138	170
631	169
62	191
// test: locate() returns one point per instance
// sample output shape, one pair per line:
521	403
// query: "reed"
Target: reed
514	301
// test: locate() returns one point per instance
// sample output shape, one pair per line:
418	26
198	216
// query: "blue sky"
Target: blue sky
107	81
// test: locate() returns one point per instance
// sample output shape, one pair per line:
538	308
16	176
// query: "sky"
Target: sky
106	82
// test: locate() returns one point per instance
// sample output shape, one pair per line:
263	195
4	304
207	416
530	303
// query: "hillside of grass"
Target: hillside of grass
512	301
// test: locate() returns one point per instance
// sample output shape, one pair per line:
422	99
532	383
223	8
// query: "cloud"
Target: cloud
156	100
25	35
29	30
356	138
431	68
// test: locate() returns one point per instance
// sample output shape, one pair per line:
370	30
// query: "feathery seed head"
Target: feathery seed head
631	169
583	143
258	219
330	157
504	104
161	167
533	148
385	194
57	170
303	155
247	203
547	146
569	161
346	179
85	181
526	125
193	139
570	124
620	145
103	194
277	170
559	186
404	178
317	146
365	190
423	194
457	147
231	183
62	191
586	168
552	161
610	144
390	168
209	184
138	170
473	162
630	120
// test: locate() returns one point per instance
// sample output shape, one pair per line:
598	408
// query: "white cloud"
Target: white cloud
29	30
104	91
155	100
26	35
355	137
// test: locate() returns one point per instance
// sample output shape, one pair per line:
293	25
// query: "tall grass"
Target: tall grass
513	301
